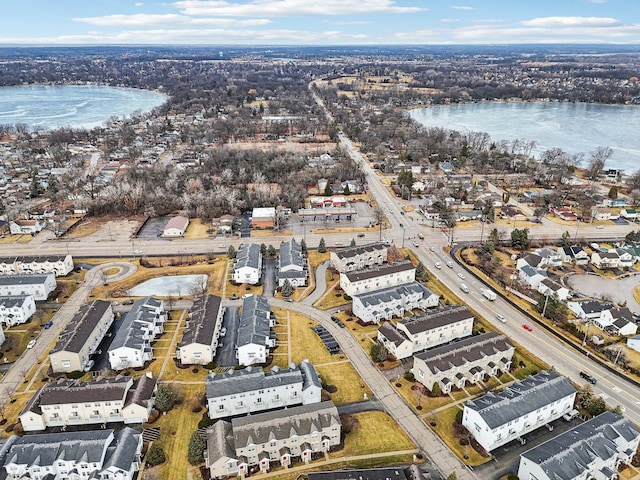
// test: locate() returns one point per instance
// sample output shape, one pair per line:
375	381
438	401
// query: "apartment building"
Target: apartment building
359	257
16	310
59	265
37	285
386	303
247	266
292	264
202	332
378	277
255	337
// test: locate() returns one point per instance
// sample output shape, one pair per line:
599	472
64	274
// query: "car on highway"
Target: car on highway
432	249
32	343
527	327
416	244
450	264
48	324
438	266
461	275
588	377
290	300
599	227
500	318
361	235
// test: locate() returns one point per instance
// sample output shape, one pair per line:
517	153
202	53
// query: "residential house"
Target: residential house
292	264
386	303
564	213
531	276
431	214
549	287
600	214
551	258
634	343
574	254
251	390
263	218
16	310
589	309
81	337
278	436
594	449
37	285
358	257
467	360
59	265
605	260
255	337
176	227
533	260
617	321
63	403
378	277
25	227
103	454
247	266
202	331
426	330
629	213
627	257
131	345
496	419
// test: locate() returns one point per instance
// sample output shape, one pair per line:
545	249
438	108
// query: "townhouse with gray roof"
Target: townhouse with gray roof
292	264
594	449
131	345
250	390
426	330
103	454
255	337
38	285
377	277
59	265
467	360
16	310
247	266
278	436
105	400
81	337
395	301
496	419
202	331
356	258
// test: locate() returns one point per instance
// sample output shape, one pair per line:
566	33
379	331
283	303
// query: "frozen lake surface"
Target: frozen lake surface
177	285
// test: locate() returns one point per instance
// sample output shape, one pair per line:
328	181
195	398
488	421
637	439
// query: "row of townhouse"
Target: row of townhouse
16	310
131	345
251	390
377	277
386	303
426	330
202	331
594	449
292	264
38	285
618	321
100	454
496	419
81	337
59	265
247	266
255	336
233	447
105	400
465	361
358	257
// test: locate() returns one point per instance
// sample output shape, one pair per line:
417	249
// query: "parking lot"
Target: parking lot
153	228
330	343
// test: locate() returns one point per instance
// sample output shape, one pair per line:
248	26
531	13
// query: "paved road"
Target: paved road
393	403
321	285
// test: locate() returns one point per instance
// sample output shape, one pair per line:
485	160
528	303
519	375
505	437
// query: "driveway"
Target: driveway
616	290
268	276
226	356
321	284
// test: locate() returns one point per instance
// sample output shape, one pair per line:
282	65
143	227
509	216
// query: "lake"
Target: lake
77	106
573	127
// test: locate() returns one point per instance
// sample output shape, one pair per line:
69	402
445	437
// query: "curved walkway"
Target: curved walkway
321	284
393	403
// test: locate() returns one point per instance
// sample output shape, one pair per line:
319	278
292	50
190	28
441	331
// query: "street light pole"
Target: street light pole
586	333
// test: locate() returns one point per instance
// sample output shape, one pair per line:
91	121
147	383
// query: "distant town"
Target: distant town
279	273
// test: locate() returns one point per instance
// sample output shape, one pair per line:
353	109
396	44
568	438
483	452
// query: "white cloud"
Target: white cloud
449	20
597	1
151	20
462	7
571	22
290	8
139	4
342	22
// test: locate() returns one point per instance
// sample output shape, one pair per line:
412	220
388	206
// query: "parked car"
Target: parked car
233	297
48	324
571	415
527	327
32	343
588	377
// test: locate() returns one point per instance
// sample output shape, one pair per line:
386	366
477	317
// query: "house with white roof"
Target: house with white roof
594	449
265	438
292	264
16	310
496	419
251	390
247	266
386	303
551	256
426	330
377	277
466	360
202	331
255	334
175	227
131	345
358	257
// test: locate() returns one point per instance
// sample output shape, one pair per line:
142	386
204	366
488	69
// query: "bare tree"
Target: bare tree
596	163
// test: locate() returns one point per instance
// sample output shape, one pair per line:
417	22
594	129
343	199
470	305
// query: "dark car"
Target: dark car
128	302
48	324
588	377
360	235
334	318
233	297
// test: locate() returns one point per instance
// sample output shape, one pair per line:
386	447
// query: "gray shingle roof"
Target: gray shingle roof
351	252
385	295
250	379
521	398
392	334
135	323
34	279
291	254
81	327
436	318
248	255
220	441
569	455
11	302
202	321
380	270
254	321
123	452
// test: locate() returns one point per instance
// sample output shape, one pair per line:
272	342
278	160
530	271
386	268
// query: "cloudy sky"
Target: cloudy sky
319	22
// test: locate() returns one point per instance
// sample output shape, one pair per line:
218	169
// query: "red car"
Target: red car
527	327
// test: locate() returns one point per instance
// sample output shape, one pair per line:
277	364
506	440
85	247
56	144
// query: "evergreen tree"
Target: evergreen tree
271	251
353	242
263	249
287	289
155	455
197	445
231	252
346	190
520	238
421	273
436	391
322	246
327	190
565	239
303	246
165	397
378	352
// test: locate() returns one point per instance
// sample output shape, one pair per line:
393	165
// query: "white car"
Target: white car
32	343
438	266
461	275
416	244
501	318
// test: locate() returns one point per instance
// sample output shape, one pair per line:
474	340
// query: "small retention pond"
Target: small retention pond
177	285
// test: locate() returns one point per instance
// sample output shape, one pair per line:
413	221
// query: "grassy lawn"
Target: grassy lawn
414	398
9	238
351	388
197	230
305	343
333	297
374	432
444	421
